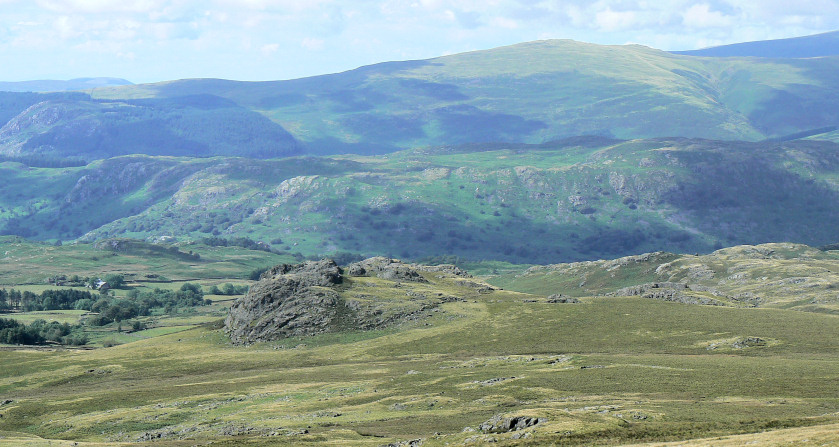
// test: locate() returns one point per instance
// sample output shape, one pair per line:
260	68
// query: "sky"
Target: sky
251	40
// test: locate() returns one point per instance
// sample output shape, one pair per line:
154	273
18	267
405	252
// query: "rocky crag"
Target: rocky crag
319	296
777	275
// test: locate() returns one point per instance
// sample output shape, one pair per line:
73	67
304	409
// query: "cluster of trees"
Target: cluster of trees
63	299
143	303
108	308
40	332
114	280
228	289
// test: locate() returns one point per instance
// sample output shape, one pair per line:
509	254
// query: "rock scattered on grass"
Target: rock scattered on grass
560	298
411	443
501	424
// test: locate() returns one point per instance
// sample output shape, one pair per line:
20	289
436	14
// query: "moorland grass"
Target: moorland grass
608	370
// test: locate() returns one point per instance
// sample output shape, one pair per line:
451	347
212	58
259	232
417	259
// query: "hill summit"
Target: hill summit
532	92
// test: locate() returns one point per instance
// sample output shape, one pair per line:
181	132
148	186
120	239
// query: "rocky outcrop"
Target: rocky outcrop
560	298
289	300
669	291
304	299
500	424
396	270
386	268
324	273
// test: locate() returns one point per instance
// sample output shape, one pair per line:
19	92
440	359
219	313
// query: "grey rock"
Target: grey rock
289	300
323	273
748	342
500	424
411	443
669	291
386	268
300	300
559	298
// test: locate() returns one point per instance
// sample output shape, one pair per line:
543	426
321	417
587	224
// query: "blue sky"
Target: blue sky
156	40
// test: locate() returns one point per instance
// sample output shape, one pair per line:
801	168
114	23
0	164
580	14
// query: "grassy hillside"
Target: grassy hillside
818	45
33	263
535	92
605	371
784	276
196	126
577	199
528	93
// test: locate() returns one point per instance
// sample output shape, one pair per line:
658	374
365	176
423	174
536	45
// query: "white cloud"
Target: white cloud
312	44
700	16
227	37
609	20
270	48
102	6
503	22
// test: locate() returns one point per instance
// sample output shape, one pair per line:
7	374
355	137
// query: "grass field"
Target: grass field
606	371
32	263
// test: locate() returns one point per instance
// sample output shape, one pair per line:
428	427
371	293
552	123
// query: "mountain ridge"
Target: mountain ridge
816	45
52	85
525	93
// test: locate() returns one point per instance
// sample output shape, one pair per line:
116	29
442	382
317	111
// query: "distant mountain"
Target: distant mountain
61	86
528	93
818	45
62	126
576	199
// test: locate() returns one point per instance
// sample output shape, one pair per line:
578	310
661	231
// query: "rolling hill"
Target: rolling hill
779	275
570	200
75	126
528	93
817	45
61	86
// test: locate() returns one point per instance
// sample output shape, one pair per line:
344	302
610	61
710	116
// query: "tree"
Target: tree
116	281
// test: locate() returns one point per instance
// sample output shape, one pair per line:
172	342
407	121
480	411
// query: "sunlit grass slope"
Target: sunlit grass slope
535	92
26	262
781	275
604	371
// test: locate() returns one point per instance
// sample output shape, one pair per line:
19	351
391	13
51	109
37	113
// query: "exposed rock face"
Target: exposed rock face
681	293
667	291
324	273
559	298
499	424
385	268
289	300
395	270
296	300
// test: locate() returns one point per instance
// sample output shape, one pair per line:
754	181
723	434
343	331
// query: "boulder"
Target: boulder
386	268
559	298
289	300
293	300
500	424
